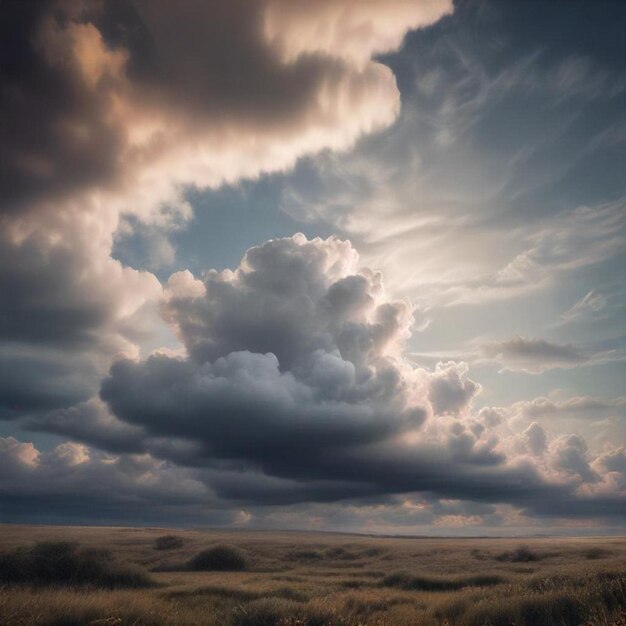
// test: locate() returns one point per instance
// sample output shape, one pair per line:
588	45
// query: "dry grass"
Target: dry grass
308	579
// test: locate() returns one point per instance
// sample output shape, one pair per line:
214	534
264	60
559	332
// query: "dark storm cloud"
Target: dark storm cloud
291	355
71	482
54	135
90	422
47	303
82	80
243	407
66	312
38	383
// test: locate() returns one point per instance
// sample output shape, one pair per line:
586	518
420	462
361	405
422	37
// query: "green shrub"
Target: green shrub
219	559
64	563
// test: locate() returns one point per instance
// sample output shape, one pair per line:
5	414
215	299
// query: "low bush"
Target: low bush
305	555
219	559
519	555
538	610
596	553
168	542
402	580
560	599
341	554
64	563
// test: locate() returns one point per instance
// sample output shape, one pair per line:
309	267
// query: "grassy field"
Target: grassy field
306	579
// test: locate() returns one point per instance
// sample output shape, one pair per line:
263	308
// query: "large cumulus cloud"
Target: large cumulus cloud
295	388
295	352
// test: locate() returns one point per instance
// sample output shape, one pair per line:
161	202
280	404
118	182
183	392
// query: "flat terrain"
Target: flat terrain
318	579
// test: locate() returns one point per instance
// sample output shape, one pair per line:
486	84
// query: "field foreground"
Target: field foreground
304	579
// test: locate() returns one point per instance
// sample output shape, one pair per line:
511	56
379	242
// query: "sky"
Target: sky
351	265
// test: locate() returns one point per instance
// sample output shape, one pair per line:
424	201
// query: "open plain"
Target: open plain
132	576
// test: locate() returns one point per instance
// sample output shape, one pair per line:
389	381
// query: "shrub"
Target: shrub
305	555
533	610
168	542
596	553
341	554
220	559
519	555
64	563
407	582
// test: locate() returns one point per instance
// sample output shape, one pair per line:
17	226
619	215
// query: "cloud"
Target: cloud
329	411
296	350
111	109
534	356
450	391
295	389
536	438
72	481
500	174
292	386
569	454
124	93
61	380
580	407
90	422
292	297
599	420
588	305
70	307
339	27
531	355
